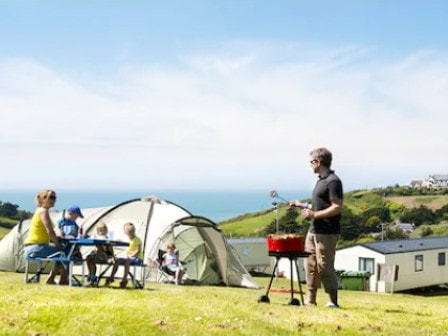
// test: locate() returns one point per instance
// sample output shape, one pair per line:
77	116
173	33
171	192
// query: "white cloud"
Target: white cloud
244	118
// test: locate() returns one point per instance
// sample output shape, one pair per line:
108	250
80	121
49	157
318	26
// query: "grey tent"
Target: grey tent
208	257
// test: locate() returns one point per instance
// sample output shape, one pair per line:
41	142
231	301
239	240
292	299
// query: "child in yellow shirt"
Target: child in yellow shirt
134	255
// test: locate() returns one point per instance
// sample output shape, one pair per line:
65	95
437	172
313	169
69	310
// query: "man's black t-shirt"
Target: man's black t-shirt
328	188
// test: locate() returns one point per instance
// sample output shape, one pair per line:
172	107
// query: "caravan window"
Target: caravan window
367	264
419	263
442	258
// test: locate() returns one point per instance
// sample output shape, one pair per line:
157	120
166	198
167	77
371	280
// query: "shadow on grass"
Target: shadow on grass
441	290
146	289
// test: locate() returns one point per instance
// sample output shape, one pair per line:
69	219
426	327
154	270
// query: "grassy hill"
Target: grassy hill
362	200
250	225
37	309
356	201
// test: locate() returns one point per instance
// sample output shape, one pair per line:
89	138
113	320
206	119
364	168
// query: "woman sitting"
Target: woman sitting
41	233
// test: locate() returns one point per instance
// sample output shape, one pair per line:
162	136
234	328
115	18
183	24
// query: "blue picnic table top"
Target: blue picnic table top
94	242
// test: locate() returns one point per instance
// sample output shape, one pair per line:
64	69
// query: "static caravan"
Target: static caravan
284	267
398	265
253	253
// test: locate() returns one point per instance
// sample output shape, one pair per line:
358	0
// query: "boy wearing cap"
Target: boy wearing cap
67	225
68	228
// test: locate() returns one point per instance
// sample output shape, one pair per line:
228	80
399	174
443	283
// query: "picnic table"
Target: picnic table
67	261
74	243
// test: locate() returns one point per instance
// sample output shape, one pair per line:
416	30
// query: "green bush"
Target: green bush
373	221
418	216
395	208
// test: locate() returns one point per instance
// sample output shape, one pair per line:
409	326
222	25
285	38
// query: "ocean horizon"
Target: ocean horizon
217	205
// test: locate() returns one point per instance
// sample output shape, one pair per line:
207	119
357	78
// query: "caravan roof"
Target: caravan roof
407	245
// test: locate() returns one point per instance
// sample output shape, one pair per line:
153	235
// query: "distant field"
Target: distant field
436	230
3	232
5	226
38	309
8	221
432	202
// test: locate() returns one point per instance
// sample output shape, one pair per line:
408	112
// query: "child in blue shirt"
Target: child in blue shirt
68	228
67	225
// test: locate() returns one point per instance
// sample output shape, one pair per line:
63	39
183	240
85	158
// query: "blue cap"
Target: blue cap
75	209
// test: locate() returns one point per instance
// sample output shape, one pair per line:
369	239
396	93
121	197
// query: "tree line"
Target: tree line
398	190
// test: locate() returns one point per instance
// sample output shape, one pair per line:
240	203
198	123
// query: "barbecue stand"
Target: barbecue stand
292	256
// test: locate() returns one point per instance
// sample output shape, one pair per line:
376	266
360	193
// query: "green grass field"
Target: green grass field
250	225
38	309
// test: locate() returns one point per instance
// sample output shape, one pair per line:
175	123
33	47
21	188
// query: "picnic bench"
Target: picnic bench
68	261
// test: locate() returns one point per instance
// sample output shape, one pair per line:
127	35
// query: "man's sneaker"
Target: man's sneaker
332	305
306	303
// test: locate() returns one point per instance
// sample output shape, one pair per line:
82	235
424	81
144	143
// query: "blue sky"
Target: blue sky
221	94
81	33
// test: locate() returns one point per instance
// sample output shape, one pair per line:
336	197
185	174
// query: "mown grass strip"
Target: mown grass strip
186	310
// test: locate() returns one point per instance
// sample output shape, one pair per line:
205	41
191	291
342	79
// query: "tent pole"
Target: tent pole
148	220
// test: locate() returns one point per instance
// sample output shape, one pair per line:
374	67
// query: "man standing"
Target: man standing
323	234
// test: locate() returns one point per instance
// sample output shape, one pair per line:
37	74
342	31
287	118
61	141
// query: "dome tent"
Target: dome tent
202	247
207	257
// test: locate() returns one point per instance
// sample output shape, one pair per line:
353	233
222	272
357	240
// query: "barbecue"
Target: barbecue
286	246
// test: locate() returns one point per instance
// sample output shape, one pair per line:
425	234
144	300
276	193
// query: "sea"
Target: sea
217	205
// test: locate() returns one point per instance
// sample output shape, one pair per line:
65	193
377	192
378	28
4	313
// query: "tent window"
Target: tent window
442	259
367	264
419	263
